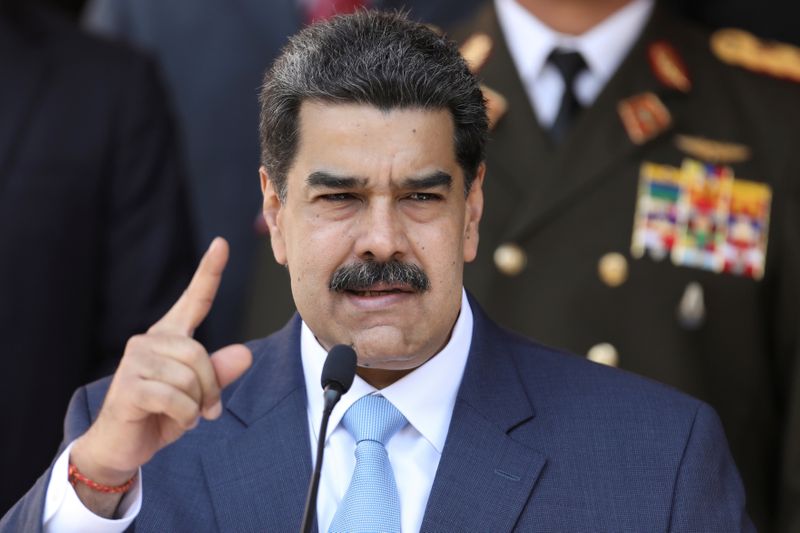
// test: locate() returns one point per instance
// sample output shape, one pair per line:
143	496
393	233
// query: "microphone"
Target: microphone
337	377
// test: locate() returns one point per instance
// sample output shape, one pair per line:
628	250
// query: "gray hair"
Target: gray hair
375	58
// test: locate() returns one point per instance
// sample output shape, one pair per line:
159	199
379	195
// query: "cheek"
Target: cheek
316	251
440	251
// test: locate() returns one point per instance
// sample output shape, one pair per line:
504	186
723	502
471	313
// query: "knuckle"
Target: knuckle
195	352
172	402
135	343
186	380
181	410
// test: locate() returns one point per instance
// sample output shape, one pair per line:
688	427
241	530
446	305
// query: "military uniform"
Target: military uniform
663	234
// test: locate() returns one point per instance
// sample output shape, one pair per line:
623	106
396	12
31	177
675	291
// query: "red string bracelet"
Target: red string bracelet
76	477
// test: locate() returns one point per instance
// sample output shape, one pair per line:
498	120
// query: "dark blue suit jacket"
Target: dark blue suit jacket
539	441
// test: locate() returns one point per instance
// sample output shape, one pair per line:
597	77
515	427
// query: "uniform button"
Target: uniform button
692	307
613	269
510	259
603	353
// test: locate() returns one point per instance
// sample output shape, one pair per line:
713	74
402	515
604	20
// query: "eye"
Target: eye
337	197
424	197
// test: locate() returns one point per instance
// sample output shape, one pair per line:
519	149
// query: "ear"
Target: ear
472	214
272	210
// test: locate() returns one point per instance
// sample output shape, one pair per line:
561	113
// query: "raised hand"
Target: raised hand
164	383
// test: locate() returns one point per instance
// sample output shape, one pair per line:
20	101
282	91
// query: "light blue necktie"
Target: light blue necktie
371	503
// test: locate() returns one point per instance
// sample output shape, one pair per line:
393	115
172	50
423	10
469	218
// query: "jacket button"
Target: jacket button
603	353
510	259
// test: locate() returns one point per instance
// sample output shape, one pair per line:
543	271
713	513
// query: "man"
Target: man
373	132
91	199
206	51
659	232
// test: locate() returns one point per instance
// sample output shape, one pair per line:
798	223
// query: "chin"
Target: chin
387	348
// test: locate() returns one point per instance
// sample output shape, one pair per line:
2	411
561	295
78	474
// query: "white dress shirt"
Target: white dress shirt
603	48
65	512
426	398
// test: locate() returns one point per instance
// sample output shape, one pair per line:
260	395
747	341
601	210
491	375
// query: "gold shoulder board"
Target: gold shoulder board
475	51
743	49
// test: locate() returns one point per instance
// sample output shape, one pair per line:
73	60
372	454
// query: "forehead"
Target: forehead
363	140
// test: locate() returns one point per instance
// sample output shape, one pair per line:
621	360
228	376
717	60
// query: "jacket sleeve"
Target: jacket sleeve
708	494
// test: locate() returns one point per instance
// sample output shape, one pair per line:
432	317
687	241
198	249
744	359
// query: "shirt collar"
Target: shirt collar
426	396
603	47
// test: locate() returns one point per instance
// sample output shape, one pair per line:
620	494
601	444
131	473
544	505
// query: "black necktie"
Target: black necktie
569	65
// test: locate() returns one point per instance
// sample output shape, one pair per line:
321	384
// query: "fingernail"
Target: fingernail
214	411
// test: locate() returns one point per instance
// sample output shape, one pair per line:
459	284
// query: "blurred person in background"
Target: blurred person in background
214	54
643	208
93	222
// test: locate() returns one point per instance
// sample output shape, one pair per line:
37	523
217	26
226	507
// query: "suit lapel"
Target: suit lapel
270	456
258	477
20	93
485	477
589	153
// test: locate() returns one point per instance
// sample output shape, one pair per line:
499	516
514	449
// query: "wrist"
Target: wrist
86	462
77	477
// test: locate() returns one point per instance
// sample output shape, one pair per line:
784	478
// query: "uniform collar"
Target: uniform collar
603	47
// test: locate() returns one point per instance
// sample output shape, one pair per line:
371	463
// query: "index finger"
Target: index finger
196	301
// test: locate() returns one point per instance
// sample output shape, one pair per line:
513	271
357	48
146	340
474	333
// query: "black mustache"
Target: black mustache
362	276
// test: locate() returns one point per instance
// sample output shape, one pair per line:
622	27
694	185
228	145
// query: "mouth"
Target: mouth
380	290
380	297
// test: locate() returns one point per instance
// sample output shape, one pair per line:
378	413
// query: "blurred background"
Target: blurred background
772	19
173	84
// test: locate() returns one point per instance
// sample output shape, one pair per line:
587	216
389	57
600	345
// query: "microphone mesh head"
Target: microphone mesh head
340	367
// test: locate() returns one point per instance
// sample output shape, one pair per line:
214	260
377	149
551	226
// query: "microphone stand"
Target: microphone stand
331	395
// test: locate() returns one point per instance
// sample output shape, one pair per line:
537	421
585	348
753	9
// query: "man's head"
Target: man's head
373	132
377	59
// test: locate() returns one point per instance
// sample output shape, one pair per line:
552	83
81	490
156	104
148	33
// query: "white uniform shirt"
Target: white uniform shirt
603	48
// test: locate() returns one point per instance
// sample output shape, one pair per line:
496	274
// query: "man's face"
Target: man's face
368	186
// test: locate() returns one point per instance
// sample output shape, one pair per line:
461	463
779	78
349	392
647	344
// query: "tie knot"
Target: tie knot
569	64
373	418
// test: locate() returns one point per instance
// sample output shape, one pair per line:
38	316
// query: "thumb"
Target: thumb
231	362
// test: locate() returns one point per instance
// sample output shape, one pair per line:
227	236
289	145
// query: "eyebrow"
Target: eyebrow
432	181
323	179
320	178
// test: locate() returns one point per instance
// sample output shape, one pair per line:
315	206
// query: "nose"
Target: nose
382	234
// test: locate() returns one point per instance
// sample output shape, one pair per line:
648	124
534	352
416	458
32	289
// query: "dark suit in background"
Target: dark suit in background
214	54
540	441
93	223
564	209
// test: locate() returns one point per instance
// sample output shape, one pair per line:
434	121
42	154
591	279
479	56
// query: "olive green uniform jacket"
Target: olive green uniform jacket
734	343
